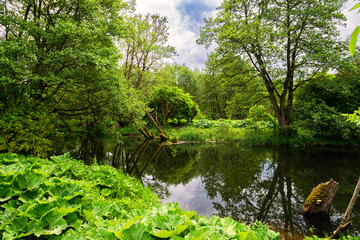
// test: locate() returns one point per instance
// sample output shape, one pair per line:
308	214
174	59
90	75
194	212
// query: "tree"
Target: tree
172	102
145	47
286	42
58	60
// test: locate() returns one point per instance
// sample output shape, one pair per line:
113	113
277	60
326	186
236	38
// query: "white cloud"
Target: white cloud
353	19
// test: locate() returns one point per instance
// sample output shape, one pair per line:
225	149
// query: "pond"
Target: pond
245	183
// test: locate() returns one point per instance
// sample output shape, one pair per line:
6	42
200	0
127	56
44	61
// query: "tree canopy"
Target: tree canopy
286	42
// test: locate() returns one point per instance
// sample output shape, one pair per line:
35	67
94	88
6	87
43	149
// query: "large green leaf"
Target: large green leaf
51	224
167	234
19	227
353	40
6	192
37	210
136	232
30	195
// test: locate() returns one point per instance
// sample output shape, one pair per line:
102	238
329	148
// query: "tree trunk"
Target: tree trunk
345	224
160	130
318	203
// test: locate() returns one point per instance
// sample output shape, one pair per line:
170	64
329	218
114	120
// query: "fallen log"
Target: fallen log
318	203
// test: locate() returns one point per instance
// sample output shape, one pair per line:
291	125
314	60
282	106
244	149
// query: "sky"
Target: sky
187	16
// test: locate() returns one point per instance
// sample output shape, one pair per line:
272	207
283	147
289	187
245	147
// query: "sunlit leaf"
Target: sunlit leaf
353	40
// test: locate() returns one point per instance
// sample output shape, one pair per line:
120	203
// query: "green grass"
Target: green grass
62	198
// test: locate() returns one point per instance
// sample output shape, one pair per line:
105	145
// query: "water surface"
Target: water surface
246	183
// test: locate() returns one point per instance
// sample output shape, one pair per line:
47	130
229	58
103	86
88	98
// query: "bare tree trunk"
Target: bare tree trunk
345	224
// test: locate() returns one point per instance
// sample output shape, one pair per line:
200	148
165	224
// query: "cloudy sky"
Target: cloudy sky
186	16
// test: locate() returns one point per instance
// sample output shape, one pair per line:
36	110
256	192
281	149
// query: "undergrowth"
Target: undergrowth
62	198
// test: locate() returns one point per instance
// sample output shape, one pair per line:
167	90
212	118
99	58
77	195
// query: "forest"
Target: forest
278	75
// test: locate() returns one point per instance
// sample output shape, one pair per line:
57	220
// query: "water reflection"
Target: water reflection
266	184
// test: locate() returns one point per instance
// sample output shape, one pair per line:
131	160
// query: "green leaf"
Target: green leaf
73	221
356	6
30	195
136	232
51	224
7	216
19	227
201	233
353	40
6	192
229	226
166	234
38	210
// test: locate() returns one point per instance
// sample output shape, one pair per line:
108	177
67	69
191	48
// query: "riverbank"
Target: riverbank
246	132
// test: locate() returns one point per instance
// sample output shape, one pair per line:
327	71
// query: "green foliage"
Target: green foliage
172	102
353	118
257	33
320	104
228	89
59	62
258	113
65	199
27	130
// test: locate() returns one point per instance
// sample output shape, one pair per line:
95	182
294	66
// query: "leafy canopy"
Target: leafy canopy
286	42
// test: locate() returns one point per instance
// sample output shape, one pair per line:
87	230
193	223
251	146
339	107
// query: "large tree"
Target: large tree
58	61
286	42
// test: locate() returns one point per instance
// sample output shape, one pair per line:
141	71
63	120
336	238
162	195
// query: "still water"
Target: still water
246	183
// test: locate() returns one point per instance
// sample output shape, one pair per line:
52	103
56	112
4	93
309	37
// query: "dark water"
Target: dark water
246	183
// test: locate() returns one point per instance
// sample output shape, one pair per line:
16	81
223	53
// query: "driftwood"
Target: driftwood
345	224
318	203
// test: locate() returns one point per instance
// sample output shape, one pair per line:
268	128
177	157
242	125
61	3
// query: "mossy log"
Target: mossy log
318	203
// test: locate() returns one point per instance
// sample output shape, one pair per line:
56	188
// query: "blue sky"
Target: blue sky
186	17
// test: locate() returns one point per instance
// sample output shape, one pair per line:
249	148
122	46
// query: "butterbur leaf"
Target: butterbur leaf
73	221
20	226
229	226
135	232
30	195
6	192
166	222
88	215
51	224
7	216
64	189
167	234
201	233
38	210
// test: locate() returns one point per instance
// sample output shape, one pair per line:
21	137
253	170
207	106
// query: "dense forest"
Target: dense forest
73	66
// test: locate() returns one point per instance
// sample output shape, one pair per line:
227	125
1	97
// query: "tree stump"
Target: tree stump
318	203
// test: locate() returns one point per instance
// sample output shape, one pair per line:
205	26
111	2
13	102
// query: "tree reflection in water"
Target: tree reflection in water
248	184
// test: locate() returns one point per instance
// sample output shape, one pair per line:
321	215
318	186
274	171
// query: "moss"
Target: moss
318	195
